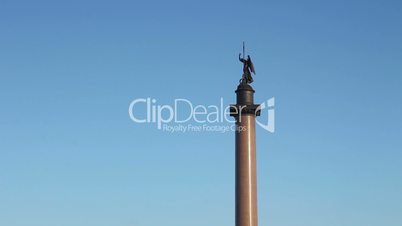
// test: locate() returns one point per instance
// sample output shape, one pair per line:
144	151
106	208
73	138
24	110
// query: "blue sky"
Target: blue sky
70	155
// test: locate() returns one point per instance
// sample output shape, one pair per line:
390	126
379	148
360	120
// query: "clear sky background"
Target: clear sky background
70	155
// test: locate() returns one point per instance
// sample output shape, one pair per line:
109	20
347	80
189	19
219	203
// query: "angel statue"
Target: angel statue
248	68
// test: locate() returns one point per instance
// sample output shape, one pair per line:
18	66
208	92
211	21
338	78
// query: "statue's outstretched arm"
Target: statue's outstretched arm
241	60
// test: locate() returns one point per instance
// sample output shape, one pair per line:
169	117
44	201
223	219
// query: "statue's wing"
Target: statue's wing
251	65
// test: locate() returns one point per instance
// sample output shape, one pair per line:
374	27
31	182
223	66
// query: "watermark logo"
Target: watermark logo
184	116
270	123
